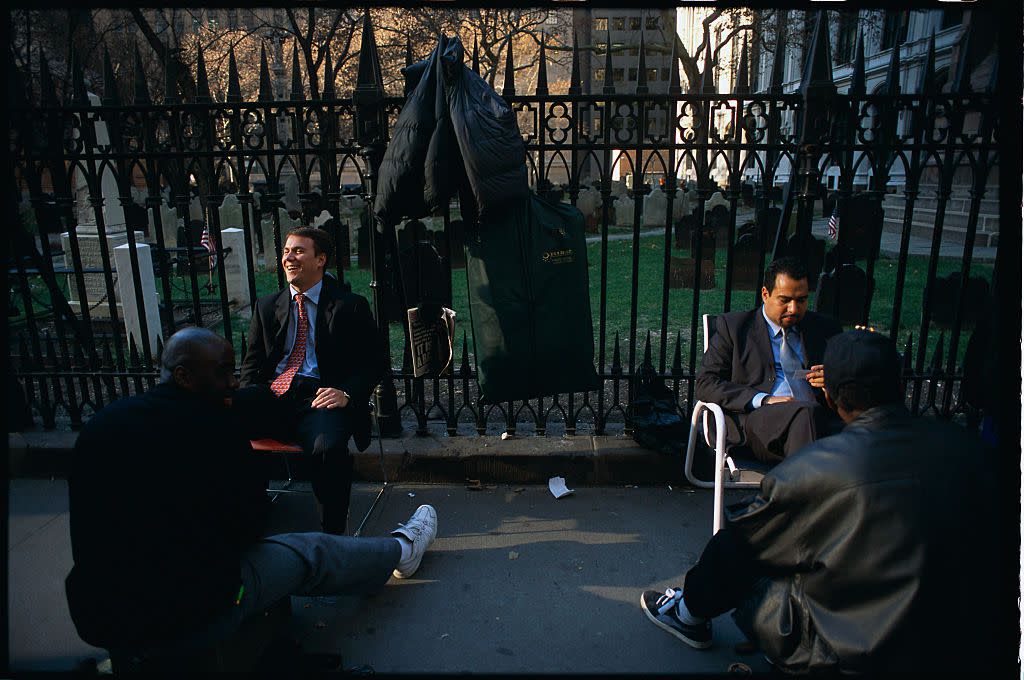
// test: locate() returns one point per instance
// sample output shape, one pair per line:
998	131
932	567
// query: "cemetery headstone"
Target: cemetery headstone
684	228
230	212
135	309
854	290
236	268
746	264
811	252
860	225
946	300
655	209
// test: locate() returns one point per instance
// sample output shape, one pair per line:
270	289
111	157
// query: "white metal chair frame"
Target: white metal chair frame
723	460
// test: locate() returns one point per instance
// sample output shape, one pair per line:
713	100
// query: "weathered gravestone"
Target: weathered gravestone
768	224
655	209
717	219
860	225
811	252
746	261
683	229
853	289
230	211
946	300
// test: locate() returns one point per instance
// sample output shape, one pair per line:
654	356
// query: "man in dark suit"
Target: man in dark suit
763	367
310	368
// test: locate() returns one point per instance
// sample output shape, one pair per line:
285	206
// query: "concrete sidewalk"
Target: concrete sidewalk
516	581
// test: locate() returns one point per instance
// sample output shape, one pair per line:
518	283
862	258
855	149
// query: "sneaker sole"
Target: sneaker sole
693	643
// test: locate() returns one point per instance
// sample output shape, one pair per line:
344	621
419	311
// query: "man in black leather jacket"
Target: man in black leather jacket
862	552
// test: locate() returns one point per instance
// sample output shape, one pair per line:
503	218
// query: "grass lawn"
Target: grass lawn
619	282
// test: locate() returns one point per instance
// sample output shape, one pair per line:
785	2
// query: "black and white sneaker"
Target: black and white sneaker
420	530
661	609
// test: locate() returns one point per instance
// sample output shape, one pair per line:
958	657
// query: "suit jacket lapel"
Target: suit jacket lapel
281	310
762	341
325	310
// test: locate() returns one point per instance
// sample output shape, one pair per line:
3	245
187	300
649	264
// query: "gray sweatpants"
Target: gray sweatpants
311	563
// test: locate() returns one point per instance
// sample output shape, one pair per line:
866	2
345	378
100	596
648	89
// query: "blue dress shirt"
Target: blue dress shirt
781	387
309	366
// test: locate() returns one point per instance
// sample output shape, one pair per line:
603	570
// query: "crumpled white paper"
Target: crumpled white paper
557	487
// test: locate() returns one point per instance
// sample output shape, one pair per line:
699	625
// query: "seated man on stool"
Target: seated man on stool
869	551
167	511
312	360
763	367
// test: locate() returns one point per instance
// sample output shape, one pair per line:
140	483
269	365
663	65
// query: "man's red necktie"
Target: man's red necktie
298	356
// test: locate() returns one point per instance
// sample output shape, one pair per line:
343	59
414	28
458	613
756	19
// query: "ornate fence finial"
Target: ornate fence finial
266	88
892	76
779	60
202	81
111	97
641	69
542	70
962	79
858	87
298	93
674	86
818	69
742	85
508	87
476	56
78	96
575	82
234	86
47	91
170	77
609	82
328	88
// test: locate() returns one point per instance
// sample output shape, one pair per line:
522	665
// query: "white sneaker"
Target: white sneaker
420	530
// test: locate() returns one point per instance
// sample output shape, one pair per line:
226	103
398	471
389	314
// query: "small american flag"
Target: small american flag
207	243
833	224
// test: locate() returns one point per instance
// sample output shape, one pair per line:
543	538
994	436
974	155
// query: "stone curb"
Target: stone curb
580	459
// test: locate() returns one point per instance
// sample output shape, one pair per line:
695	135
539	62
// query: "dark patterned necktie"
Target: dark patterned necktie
298	356
790	365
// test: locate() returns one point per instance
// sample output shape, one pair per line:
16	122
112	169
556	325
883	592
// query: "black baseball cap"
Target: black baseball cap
863	358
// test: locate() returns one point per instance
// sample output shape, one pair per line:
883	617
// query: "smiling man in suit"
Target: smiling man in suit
313	359
763	367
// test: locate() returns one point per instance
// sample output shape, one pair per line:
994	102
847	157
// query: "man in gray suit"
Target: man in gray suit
763	367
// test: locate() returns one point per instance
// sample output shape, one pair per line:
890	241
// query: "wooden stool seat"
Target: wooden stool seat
274	446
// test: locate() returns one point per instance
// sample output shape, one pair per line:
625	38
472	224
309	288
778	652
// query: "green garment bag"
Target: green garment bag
529	301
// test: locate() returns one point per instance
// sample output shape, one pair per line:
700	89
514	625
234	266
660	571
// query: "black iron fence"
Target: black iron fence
716	185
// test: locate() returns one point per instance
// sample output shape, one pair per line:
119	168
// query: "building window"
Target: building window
951	17
599	74
634	23
233	19
894	28
634	51
665	74
632	74
619	24
212	24
618	74
846	38
652	75
653	23
601	24
600	47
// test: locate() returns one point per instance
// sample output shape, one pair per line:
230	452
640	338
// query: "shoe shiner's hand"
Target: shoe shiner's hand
816	376
776	400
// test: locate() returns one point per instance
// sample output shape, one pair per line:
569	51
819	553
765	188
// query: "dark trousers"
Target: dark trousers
322	433
775	431
723	576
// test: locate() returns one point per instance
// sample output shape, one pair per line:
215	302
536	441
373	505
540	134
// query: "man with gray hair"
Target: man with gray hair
168	561
863	552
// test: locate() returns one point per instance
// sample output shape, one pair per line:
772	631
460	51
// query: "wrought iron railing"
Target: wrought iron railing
72	359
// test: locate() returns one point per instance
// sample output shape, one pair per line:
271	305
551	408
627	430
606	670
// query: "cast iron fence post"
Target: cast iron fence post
371	126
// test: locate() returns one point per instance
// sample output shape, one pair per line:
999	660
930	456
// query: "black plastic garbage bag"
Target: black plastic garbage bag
657	424
530	303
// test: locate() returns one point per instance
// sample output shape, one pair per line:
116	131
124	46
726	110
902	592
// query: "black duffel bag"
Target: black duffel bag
657	424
